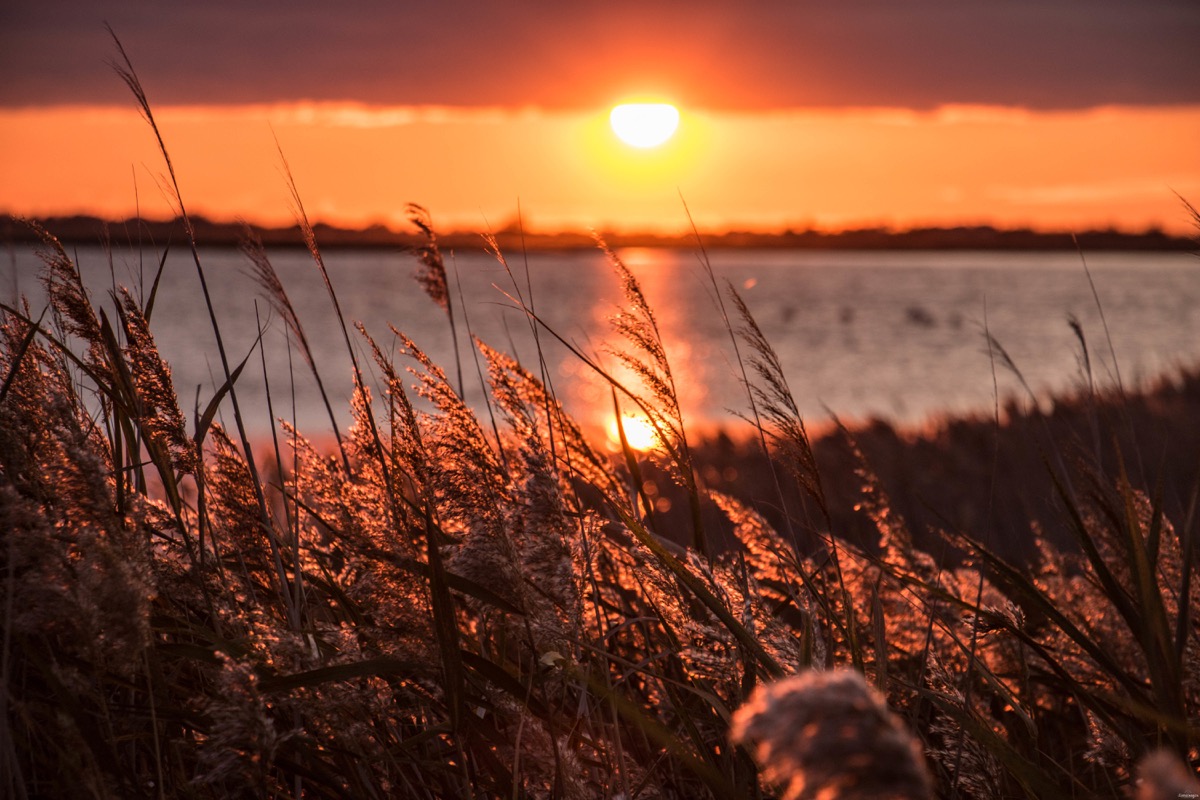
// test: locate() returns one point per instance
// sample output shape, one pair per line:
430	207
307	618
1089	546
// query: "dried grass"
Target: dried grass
448	609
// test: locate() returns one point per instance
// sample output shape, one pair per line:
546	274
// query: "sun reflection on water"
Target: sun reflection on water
667	278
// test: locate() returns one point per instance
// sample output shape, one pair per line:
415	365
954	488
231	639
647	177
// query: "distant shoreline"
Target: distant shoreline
92	230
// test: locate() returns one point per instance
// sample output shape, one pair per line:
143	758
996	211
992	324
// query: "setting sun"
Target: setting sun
644	124
639	432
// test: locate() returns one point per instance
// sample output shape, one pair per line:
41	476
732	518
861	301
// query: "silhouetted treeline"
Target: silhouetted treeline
132	232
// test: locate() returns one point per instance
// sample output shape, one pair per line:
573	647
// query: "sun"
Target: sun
639	432
644	125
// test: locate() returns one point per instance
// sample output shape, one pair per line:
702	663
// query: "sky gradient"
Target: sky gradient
1052	114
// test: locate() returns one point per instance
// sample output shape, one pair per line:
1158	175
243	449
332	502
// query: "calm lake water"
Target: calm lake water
897	335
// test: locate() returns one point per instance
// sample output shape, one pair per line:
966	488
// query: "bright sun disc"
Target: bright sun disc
639	432
644	124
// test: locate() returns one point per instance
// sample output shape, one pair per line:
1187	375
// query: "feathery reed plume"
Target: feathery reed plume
237	754
234	510
268	280
466	470
158	410
18	348
997	351
828	736
778	407
1162	776
781	577
406	448
533	411
646	357
69	299
432	276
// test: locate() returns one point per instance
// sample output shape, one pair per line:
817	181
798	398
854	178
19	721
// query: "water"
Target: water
895	335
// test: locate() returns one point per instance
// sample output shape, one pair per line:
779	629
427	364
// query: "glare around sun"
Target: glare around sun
639	432
644	125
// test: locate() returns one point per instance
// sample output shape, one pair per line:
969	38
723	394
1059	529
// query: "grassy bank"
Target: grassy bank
453	604
951	472
462	605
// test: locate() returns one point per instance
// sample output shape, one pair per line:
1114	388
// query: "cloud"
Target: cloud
916	54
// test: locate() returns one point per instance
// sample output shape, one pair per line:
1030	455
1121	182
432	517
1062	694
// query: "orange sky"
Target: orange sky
1056	114
828	168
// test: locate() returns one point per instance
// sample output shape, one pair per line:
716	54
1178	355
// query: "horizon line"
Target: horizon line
86	227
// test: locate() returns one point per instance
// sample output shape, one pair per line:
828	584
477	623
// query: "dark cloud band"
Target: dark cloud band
922	53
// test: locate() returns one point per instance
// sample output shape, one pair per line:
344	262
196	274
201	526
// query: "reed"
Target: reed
448	607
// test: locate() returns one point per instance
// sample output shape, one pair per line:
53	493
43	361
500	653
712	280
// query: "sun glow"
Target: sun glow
639	432
644	125
1046	170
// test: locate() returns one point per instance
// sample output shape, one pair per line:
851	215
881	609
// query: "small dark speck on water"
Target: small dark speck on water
919	316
